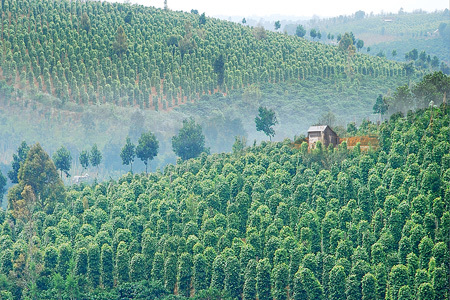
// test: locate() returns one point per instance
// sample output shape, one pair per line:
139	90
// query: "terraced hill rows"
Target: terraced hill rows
96	52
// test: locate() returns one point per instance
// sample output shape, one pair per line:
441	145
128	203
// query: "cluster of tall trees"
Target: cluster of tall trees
424	60
432	90
97	52
267	222
188	143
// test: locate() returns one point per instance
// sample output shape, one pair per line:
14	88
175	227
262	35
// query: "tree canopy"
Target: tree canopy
190	141
147	148
95	157
62	160
265	121
300	31
18	159
128	153
39	182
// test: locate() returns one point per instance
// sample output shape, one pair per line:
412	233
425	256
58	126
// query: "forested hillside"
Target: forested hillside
391	34
94	72
267	222
97	52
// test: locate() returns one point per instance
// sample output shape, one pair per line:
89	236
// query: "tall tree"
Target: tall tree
137	267
94	264
405	293
128	153
232	277
300	31
18	159
107	266
64	258
359	44
170	272
95	156
2	185
218	273
40	174
298	289
62	160
380	107
440	283
190	141
312	286
199	273
346	42
184	274
337	283
84	159
120	44
425	292
202	19
122	262
397	278
81	262
280	280
249	290
147	148
265	120
85	22
158	268
219	69
369	287
277	25
263	271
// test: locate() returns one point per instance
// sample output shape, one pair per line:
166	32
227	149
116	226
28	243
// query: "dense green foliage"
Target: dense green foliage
98	52
271	221
190	141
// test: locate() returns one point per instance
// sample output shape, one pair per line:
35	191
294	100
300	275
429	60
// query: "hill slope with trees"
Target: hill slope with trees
392	34
89	70
268	222
101	52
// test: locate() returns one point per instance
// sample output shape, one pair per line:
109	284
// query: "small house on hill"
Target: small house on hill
322	133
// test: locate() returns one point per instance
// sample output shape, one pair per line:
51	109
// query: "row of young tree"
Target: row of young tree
96	52
265	222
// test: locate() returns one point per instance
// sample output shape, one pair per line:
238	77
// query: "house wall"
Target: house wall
327	137
313	138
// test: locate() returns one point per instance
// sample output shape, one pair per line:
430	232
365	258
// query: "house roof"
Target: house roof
320	128
317	128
